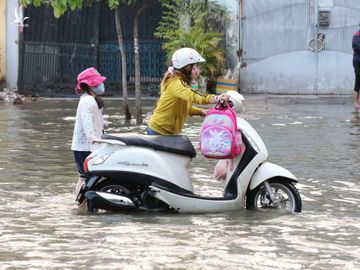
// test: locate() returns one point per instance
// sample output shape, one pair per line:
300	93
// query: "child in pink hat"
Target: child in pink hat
89	123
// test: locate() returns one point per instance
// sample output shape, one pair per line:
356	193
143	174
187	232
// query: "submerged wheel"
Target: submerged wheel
109	186
112	186
115	189
287	197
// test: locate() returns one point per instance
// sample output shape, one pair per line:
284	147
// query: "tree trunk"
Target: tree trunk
137	65
186	18
123	66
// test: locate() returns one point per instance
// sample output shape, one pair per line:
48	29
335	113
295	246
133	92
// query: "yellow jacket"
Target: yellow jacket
175	105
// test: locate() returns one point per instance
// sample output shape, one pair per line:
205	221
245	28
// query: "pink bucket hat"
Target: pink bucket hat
89	76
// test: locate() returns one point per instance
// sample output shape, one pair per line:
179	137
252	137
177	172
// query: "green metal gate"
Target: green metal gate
53	51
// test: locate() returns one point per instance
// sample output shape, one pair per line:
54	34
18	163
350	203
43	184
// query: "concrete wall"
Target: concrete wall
300	73
2	39
12	46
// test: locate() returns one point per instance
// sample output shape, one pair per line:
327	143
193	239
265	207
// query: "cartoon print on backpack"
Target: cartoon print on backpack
216	137
219	137
219	141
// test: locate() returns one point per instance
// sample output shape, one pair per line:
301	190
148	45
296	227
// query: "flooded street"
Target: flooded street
41	227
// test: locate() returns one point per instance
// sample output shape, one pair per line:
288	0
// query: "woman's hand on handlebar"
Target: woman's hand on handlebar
224	98
220	99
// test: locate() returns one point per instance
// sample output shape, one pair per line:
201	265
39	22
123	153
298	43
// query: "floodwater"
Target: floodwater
41	227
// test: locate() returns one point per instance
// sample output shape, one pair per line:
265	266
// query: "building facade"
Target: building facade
9	43
12	44
283	46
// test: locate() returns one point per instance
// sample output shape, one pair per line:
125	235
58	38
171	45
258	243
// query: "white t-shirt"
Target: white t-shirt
89	124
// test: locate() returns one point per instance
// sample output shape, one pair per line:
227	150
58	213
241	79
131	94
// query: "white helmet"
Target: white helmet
185	56
238	101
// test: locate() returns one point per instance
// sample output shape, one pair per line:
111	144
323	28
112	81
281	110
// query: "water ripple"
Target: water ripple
41	227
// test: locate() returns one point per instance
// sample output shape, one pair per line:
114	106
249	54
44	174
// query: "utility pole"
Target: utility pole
316	9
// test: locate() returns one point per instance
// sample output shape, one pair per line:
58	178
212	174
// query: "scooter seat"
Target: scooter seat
178	144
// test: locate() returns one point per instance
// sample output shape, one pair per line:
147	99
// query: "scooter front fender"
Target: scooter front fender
269	170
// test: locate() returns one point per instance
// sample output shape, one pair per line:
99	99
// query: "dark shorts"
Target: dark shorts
356	65
80	157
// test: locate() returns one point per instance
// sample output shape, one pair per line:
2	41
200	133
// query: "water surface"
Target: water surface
42	228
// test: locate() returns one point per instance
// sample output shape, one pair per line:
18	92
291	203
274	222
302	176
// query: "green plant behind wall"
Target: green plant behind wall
206	33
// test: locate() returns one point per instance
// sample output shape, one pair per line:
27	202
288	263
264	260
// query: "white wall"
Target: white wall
12	48
295	73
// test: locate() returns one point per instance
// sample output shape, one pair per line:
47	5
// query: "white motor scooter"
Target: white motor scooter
132	172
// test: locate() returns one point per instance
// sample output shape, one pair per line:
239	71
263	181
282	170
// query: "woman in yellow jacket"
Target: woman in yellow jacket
177	97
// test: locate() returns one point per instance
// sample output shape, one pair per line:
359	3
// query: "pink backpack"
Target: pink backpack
220	138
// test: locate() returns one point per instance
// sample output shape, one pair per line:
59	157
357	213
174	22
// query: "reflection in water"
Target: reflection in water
42	228
356	119
355	128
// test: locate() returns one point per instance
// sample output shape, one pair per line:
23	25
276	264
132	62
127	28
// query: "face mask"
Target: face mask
99	90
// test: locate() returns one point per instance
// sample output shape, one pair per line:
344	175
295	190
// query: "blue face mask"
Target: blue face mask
99	90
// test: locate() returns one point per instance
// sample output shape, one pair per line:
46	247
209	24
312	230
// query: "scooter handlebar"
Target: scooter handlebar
224	101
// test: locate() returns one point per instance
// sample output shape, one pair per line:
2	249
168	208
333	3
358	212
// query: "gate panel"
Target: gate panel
279	56
344	21
53	51
275	27
151	56
54	66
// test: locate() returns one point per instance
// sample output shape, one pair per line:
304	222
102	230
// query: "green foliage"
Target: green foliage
205	35
170	19
113	4
59	6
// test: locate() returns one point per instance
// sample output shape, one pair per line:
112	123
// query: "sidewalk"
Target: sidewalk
301	99
277	98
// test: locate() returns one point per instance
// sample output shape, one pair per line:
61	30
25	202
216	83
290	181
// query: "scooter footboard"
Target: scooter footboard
196	204
269	170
